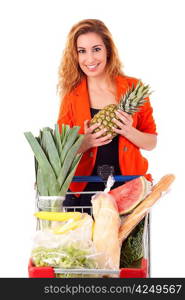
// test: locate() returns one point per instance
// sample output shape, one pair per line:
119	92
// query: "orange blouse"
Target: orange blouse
75	109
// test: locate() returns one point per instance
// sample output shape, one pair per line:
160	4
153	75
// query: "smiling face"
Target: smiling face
92	54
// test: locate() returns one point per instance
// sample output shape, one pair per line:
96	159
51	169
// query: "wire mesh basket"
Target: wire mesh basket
56	204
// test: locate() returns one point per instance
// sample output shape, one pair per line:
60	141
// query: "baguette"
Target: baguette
140	211
106	229
164	183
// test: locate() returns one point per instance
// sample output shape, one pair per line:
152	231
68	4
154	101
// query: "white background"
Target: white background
149	35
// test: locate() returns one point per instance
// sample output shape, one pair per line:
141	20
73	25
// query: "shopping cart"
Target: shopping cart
143	271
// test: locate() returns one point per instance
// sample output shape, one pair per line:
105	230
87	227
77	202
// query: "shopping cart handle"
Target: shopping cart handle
99	179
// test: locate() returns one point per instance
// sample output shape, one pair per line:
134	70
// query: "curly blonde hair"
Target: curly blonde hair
70	73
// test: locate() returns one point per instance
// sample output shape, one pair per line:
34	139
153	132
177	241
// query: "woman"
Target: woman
90	77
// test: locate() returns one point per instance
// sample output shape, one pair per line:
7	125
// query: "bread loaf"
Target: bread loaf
141	210
106	230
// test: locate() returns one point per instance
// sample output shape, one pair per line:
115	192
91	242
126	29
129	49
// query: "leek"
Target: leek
56	158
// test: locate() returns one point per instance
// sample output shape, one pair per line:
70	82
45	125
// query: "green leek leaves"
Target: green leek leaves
56	158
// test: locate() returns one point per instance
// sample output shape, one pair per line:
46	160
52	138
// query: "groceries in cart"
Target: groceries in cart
107	240
113	238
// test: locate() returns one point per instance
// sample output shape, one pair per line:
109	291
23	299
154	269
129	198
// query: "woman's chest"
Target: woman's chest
100	99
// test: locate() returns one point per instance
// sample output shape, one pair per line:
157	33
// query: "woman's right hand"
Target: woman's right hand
93	139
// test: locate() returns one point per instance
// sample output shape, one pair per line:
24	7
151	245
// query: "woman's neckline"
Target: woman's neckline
95	108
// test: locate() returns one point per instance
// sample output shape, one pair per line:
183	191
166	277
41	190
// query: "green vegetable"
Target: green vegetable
132	247
49	177
56	158
68	257
70	156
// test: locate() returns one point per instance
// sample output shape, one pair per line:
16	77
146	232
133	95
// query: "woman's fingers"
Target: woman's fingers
118	123
124	117
103	140
104	143
99	133
117	130
86	126
96	139
98	143
123	113
92	127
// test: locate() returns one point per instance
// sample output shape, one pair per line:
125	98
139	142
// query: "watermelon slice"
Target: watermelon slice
130	194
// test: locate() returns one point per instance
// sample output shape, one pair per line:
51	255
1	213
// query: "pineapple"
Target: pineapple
129	102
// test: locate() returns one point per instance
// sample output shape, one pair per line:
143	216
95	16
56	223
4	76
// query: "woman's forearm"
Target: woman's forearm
146	141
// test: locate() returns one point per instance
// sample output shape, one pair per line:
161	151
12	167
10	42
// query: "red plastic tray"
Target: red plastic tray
48	272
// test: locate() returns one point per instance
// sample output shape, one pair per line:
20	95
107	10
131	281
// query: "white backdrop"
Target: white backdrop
150	39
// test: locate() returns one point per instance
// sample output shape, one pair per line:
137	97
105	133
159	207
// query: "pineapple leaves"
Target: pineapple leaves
134	98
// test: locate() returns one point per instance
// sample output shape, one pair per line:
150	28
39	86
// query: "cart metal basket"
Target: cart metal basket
142	271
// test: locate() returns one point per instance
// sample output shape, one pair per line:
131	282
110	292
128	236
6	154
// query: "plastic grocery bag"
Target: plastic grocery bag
73	255
106	228
65	249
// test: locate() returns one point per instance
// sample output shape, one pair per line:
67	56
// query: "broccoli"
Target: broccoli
132	247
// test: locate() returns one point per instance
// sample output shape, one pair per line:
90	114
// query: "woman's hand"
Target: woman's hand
143	140
93	139
124	123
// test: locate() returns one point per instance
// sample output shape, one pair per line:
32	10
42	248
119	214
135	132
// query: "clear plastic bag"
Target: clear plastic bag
65	249
70	255
62	232
106	228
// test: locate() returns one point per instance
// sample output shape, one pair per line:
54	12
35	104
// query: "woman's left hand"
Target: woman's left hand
124	123
143	140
